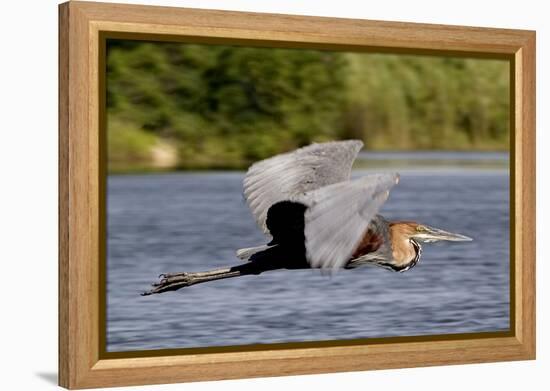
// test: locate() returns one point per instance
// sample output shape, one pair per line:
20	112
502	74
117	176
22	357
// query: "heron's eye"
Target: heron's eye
420	228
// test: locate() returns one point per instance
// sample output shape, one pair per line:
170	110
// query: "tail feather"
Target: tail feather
246	253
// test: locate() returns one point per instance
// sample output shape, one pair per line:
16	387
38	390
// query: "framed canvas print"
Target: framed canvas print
247	195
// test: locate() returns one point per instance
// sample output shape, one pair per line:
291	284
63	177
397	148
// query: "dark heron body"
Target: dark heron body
319	218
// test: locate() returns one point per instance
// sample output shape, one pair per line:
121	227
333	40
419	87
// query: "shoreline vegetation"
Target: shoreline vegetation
173	107
374	160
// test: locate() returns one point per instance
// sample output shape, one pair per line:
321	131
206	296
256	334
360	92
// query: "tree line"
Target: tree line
187	106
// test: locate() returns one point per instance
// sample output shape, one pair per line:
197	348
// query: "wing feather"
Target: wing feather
338	215
285	176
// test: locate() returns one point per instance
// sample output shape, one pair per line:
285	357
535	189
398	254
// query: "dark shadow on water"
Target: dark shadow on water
49	377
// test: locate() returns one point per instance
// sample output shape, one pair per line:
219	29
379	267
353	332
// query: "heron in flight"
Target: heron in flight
319	218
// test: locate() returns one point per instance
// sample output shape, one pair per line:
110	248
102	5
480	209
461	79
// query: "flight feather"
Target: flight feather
288	175
338	216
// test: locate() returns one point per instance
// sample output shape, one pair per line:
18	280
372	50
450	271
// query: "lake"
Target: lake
195	221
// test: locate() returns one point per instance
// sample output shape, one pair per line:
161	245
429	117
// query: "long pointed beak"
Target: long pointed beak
434	234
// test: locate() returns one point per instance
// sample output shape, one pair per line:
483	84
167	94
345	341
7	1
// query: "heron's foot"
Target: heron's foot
171	277
171	282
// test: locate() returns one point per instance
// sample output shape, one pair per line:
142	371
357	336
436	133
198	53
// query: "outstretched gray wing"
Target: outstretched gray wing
285	176
338	216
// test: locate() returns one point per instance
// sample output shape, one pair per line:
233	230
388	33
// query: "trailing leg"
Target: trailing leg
174	281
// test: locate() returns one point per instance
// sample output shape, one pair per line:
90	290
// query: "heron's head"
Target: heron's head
426	234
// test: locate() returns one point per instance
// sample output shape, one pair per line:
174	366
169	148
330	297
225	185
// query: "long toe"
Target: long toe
170	282
172	275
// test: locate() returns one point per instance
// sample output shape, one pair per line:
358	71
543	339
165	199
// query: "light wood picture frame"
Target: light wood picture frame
83	28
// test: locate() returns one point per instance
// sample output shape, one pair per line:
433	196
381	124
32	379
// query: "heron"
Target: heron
317	217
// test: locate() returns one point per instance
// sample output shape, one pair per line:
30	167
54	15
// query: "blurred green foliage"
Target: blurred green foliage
227	106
